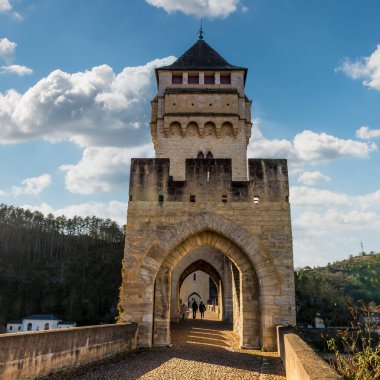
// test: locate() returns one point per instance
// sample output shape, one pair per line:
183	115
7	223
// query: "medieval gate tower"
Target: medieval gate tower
201	205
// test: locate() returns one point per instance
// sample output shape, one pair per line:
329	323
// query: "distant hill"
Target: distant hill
58	265
327	290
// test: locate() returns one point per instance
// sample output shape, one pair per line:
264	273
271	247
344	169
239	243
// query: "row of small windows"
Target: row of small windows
192	198
194	78
192	129
208	156
30	326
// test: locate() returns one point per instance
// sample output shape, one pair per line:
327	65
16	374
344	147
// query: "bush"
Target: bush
357	350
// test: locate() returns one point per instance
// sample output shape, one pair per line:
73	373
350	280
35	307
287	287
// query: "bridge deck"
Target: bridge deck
202	349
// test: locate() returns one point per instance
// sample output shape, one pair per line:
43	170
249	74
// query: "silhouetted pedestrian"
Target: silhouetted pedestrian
183	311
202	308
194	306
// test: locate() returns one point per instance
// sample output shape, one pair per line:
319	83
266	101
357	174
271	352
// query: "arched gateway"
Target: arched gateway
218	215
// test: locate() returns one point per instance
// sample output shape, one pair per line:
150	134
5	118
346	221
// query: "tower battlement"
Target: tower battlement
209	181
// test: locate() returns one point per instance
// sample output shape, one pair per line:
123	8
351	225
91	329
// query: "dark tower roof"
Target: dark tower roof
201	56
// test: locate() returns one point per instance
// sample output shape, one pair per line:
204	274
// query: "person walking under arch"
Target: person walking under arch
202	308
183	311
194	306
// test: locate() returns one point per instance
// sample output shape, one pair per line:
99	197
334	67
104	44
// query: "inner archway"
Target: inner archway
243	280
203	280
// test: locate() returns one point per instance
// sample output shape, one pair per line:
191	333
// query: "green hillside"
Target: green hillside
67	266
327	290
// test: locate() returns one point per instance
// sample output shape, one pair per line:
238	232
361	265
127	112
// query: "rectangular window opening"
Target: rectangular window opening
177	79
210	79
193	79
256	199
192	198
160	197
224	198
225	79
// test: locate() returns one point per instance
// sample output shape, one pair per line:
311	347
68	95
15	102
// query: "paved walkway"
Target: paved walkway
201	350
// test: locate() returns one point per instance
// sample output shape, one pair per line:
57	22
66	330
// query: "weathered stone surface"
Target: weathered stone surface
227	205
33	354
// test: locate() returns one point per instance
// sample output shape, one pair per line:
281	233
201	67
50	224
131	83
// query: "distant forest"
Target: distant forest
72	267
328	290
67	266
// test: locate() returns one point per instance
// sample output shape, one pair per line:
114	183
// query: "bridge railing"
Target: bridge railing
32	354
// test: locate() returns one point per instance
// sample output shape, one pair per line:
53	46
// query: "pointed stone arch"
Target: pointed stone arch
145	294
256	252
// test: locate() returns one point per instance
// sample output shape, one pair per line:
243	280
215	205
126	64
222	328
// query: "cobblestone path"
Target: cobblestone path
201	350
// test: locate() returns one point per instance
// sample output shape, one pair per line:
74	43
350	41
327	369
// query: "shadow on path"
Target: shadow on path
201	349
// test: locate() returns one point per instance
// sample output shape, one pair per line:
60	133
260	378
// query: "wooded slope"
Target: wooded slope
69	267
327	290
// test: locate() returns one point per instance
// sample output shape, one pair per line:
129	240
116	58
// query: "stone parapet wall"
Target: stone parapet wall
209	181
299	359
33	354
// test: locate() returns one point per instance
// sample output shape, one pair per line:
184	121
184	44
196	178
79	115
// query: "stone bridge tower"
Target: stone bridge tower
201	205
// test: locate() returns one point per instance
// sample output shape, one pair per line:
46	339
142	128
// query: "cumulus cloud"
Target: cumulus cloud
330	224
114	210
365	133
7	49
102	169
93	108
307	147
313	178
339	220
366	68
302	196
201	8
2	193
16	69
33	185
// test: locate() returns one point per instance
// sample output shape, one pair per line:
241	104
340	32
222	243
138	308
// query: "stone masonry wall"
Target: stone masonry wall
187	119
32	354
200	286
260	207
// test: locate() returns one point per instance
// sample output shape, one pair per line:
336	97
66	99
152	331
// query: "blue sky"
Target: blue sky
76	80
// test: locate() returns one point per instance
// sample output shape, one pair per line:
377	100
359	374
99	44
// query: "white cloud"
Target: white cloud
7	48
6	7
307	147
91	108
33	185
102	169
312	197
302	196
114	210
328	224
313	178
365	133
200	8
2	193
366	68
314	147
336	220
16	69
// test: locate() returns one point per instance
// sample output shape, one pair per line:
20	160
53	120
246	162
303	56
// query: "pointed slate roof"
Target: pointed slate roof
201	56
